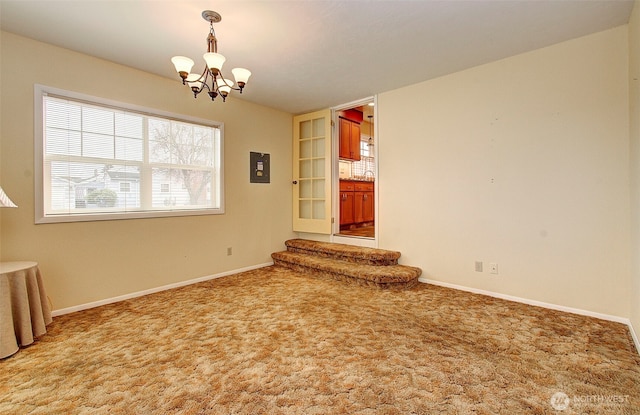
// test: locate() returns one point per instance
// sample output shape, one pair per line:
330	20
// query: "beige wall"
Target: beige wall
634	132
523	162
91	261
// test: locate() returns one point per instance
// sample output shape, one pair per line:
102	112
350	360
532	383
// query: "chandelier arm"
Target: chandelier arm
225	82
213	90
206	74
203	83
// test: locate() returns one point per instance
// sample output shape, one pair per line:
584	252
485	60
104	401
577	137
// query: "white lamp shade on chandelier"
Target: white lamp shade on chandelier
224	85
211	78
214	61
182	64
5	201
242	75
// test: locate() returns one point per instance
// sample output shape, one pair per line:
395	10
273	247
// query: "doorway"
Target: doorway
356	172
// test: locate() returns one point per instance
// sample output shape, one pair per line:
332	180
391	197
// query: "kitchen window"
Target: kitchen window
104	160
365	167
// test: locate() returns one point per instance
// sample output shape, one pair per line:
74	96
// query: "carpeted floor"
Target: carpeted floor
272	341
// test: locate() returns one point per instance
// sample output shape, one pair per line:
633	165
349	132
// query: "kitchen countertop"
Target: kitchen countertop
356	179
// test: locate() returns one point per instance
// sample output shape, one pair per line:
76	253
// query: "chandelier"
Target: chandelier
211	78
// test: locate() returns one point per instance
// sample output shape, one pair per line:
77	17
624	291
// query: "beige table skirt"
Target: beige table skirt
24	307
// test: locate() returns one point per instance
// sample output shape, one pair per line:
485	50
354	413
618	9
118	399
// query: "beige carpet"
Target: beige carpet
272	341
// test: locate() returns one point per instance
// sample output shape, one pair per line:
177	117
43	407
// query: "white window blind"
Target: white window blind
104	161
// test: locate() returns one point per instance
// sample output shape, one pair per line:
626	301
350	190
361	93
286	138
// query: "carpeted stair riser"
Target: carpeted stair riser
360	255
388	274
362	266
346	278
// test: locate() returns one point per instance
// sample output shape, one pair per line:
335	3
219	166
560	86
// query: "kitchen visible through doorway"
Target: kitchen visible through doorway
355	126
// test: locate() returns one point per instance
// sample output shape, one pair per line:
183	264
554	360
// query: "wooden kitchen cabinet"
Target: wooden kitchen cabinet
347	202
349	139
356	202
363	202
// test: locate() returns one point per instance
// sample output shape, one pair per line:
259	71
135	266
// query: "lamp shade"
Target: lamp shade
242	75
194	81
214	60
5	201
224	85
182	63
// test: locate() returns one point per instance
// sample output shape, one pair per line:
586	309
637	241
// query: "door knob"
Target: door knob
295	182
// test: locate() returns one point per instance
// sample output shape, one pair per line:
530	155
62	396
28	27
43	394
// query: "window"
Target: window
366	166
364	148
100	160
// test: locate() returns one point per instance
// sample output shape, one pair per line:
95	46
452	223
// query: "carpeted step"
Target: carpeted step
350	253
385	276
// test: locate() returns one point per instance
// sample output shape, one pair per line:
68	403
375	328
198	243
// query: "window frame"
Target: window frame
40	91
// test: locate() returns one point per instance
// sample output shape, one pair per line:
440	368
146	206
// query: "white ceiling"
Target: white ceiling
308	55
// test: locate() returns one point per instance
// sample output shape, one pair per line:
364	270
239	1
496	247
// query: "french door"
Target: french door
312	172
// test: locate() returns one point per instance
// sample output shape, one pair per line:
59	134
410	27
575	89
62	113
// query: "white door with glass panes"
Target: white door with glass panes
312	172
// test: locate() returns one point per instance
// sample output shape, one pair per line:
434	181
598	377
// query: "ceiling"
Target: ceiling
308	55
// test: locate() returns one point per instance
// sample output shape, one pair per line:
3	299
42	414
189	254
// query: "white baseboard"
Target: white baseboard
550	306
99	303
634	336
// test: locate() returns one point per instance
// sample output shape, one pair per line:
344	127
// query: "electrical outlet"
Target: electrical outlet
493	268
478	266
229	251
